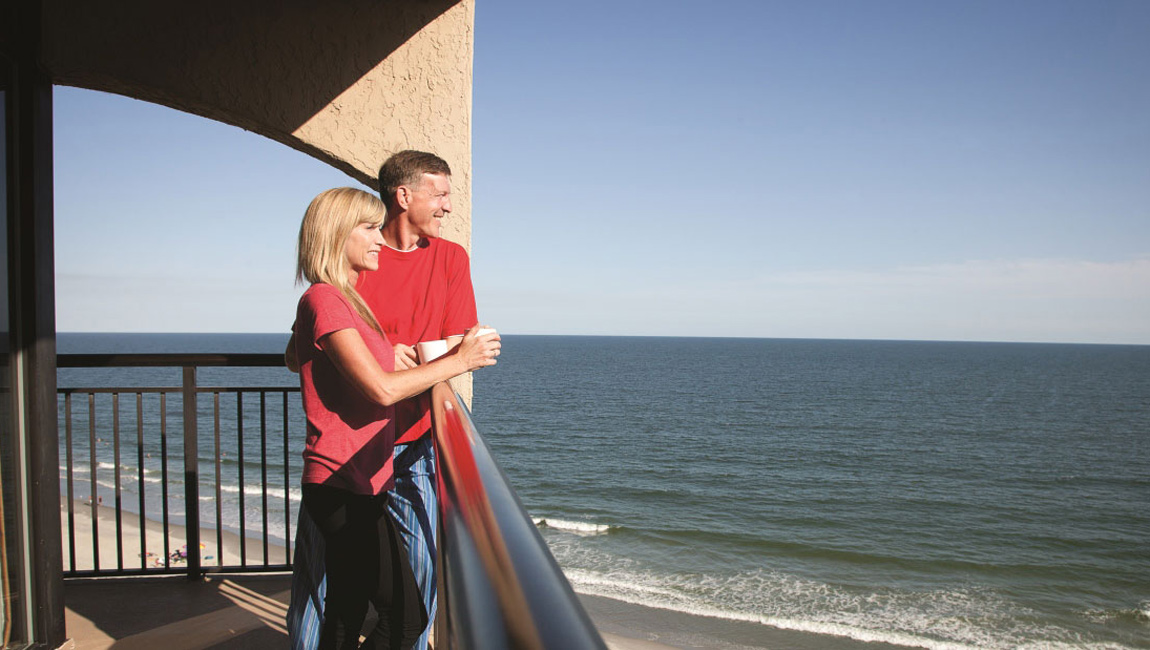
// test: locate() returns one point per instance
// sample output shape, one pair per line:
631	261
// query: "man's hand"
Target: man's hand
405	357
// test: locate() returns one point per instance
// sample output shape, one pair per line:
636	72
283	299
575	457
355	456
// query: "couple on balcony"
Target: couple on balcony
381	282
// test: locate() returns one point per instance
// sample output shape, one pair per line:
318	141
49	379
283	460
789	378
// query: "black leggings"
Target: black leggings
366	562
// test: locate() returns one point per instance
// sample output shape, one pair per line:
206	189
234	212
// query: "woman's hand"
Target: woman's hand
477	351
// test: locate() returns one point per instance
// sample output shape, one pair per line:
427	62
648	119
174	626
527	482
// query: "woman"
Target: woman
349	388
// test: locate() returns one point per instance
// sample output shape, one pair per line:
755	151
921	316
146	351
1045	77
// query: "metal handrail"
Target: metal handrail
502	586
177	360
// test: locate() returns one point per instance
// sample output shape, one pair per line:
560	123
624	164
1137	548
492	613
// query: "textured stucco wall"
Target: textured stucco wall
347	82
419	97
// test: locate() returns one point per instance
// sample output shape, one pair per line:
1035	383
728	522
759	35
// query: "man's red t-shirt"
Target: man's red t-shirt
420	295
350	439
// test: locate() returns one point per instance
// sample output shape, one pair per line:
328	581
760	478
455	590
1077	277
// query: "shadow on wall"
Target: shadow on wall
264	63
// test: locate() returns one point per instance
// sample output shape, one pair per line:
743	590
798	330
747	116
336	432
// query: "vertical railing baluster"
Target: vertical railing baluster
191	473
140	479
95	498
264	467
116	480
219	481
287	486
240	444
71	486
164	474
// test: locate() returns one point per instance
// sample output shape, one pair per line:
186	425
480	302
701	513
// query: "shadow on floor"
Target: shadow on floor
174	613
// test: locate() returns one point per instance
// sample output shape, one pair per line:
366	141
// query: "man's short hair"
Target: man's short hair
407	168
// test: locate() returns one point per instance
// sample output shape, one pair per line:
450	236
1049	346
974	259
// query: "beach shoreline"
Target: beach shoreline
634	626
217	548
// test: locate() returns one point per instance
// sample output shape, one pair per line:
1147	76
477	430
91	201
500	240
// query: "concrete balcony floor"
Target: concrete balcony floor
233	611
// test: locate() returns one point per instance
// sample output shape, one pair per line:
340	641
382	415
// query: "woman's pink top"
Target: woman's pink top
350	439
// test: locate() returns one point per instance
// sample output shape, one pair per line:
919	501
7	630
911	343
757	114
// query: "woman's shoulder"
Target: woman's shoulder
324	309
322	296
322	291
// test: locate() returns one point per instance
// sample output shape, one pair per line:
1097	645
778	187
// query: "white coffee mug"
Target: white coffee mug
430	350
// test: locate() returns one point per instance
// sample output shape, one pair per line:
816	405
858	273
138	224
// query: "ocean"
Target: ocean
940	495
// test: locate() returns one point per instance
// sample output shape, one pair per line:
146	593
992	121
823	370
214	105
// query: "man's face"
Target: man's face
428	202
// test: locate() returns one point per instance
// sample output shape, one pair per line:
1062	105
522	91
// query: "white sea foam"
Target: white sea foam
128	474
253	489
951	620
129	478
581	527
109	485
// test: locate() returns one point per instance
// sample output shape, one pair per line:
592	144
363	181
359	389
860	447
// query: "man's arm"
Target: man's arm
460	313
453	343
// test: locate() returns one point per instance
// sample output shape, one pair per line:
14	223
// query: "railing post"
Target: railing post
191	473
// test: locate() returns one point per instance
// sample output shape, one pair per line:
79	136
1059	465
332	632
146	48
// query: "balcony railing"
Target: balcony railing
156	442
500	586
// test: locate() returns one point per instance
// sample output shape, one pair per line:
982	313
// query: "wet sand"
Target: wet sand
635	627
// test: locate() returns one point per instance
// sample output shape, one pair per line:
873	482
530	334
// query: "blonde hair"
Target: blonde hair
327	223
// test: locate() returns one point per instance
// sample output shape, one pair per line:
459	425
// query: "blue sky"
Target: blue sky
893	170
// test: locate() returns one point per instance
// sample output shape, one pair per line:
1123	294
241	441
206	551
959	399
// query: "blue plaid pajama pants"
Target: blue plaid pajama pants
416	513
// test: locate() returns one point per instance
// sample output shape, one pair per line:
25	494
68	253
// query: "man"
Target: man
421	292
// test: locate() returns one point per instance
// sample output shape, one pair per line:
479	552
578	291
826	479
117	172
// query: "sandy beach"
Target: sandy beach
215	549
